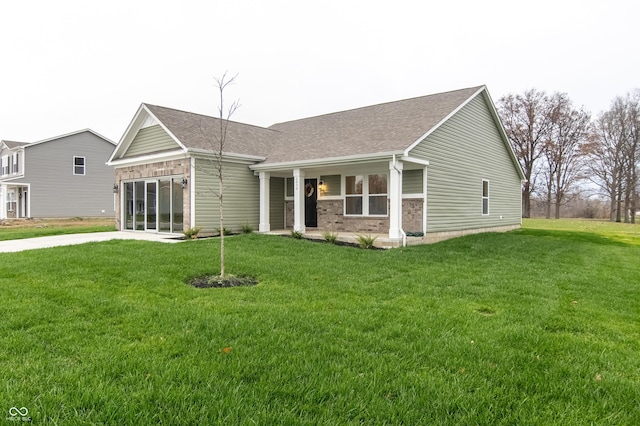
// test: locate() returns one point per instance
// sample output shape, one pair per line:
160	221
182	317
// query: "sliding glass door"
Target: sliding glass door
153	205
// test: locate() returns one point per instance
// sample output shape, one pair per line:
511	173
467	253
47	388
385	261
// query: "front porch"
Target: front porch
379	197
381	240
14	201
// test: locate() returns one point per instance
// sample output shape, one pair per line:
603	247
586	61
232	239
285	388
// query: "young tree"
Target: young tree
217	141
526	119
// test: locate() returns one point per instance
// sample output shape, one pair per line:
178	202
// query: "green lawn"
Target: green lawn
537	326
45	229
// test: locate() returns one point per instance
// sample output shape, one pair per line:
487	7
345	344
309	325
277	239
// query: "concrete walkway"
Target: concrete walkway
71	239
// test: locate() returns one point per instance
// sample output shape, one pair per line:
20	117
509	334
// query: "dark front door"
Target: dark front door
310	203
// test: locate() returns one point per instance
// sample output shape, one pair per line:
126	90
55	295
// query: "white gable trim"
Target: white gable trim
329	161
142	117
444	120
150	121
503	134
70	134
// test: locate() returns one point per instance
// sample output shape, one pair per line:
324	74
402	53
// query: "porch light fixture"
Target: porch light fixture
321	186
115	188
184	182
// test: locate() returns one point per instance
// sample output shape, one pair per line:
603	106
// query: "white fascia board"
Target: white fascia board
225	155
123	143
71	134
146	159
330	161
444	120
132	130
414	160
503	134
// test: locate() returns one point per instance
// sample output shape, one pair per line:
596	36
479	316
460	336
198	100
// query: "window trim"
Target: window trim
4	162
84	165
364	196
486	198
11	201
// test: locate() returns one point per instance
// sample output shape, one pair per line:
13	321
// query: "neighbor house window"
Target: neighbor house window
15	163
366	195
78	166
485	197
5	165
11	201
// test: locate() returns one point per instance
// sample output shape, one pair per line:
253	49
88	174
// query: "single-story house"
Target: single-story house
63	176
440	165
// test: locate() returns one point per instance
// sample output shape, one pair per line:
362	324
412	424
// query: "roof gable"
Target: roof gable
150	139
71	134
198	132
384	128
475	125
14	144
194	132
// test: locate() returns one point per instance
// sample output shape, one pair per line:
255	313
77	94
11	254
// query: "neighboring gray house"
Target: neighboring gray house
440	165
64	176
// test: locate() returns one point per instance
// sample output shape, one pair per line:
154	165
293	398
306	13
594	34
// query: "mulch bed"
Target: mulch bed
214	281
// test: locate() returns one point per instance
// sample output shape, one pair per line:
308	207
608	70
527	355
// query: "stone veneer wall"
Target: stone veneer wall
331	218
181	167
412	209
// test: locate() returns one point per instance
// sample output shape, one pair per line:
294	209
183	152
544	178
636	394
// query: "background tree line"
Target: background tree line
564	153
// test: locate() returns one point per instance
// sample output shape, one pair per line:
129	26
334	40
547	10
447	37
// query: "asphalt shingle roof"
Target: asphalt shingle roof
387	127
382	128
199	131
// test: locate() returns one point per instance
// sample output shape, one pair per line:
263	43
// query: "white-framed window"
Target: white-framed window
11	201
78	165
15	163
485	197
365	195
5	165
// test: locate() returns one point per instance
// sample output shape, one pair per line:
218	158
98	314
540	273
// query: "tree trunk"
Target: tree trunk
548	206
526	200
220	182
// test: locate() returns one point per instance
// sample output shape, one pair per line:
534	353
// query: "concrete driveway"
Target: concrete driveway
71	239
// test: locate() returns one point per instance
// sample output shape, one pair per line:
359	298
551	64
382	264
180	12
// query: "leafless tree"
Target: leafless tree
614	156
526	119
564	150
218	140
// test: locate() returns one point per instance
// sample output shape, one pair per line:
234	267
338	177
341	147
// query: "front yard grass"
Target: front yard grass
15	229
536	326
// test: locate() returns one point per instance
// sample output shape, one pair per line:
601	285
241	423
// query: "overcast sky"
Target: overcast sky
66	65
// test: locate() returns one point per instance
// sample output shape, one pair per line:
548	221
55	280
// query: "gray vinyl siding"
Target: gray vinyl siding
276	201
150	139
332	184
241	196
412	181
55	191
466	149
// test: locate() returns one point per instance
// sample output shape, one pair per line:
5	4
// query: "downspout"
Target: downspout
404	234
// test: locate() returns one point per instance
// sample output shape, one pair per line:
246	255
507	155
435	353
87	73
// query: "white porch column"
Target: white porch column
298	200
424	205
395	199
3	201
265	225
